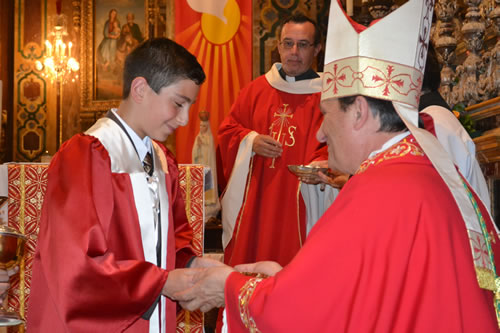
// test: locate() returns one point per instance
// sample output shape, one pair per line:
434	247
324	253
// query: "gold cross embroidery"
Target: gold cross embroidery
282	120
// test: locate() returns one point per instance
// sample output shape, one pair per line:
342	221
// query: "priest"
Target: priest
271	125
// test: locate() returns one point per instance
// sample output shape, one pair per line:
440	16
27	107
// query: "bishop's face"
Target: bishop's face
296	47
336	131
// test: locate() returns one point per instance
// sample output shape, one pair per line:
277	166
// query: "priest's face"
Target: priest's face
166	111
336	130
296	47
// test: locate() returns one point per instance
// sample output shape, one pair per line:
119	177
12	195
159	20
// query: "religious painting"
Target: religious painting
111	30
266	20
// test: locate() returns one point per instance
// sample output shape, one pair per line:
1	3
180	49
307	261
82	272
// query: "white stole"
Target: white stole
124	159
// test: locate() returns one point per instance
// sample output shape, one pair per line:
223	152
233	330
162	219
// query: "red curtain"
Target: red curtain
219	34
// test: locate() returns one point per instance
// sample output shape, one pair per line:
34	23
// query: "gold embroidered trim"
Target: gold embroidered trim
372	77
187	321
22	268
298	215
399	149
246	293
247	186
188	193
485	278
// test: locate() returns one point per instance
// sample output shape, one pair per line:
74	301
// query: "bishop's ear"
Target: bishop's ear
138	89
361	112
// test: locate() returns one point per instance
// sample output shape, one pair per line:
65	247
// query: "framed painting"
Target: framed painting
110	30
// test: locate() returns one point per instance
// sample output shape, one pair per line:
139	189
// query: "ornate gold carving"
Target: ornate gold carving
77	15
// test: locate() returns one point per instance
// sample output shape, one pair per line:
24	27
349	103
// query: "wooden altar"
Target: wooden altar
27	183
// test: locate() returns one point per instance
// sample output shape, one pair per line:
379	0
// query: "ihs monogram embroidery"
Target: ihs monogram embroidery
280	129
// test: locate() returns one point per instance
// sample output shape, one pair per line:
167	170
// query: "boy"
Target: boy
113	226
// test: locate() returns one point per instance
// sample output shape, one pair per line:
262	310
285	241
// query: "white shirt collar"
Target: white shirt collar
142	146
389	143
296	87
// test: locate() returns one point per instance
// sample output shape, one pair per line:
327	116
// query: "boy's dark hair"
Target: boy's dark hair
301	18
161	62
389	119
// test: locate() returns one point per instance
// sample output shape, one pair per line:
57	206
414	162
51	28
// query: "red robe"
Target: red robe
391	254
89	271
271	222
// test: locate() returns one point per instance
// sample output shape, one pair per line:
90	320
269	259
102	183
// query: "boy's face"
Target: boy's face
168	109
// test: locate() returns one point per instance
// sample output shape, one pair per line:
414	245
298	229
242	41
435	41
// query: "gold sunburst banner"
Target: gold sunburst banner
219	34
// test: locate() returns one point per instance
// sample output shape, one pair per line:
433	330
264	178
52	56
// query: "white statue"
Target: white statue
204	153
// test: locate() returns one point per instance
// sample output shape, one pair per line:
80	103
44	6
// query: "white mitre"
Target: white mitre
387	61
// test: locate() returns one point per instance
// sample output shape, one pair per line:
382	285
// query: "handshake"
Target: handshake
201	286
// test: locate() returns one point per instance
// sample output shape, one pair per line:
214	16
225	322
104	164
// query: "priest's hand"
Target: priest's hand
266	146
201	262
179	280
270	268
208	292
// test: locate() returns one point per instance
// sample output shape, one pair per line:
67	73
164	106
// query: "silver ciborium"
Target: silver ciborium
11	253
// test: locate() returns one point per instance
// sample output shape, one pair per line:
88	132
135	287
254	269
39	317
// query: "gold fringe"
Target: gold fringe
187	321
486	278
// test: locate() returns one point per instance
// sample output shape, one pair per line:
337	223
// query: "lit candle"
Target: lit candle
69	49
63	50
49	48
349	8
56	49
59	48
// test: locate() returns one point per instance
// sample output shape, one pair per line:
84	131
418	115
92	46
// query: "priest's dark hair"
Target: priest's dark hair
161	62
299	17
389	118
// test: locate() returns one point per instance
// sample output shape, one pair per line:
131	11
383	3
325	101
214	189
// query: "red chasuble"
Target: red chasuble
271	221
391	254
89	271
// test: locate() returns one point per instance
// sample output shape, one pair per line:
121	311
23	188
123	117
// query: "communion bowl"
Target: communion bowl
11	247
306	170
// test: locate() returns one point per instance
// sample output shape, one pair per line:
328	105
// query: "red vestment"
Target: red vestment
89	272
391	254
271	221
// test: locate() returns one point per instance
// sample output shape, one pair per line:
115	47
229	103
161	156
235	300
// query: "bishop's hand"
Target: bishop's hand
269	268
332	178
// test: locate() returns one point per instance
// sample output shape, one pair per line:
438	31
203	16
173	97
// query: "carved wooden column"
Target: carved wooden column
379	8
492	58
445	44
467	89
364	17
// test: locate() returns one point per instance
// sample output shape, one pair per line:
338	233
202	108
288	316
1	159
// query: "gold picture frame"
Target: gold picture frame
107	35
